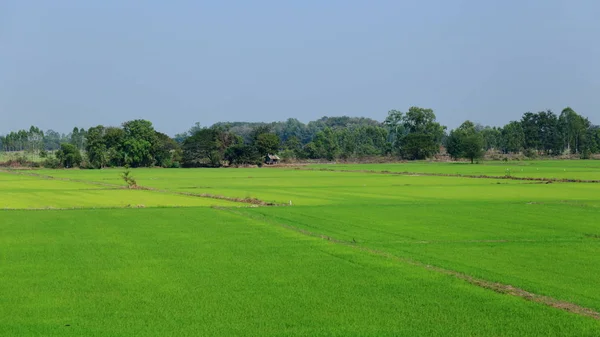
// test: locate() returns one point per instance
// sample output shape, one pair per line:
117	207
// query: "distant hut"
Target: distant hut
272	159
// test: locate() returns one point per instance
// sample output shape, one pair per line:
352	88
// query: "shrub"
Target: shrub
128	178
529	153
51	163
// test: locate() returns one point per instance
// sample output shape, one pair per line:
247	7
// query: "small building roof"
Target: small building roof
273	157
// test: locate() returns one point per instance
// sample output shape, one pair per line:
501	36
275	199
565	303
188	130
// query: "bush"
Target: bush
529	153
51	163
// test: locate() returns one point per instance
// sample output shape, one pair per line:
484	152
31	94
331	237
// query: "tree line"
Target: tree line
411	135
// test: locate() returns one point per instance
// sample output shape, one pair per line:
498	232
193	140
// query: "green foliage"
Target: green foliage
138	143
513	138
68	155
422	135
96	147
52	163
165	151
267	143
574	129
207	147
466	142
128	178
242	154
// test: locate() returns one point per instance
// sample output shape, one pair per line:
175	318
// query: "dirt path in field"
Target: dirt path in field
251	201
495	286
473	176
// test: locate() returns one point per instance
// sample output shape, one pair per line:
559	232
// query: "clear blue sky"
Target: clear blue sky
71	62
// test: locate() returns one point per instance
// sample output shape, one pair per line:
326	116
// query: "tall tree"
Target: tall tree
96	147
512	137
69	155
139	140
267	143
466	142
201	149
423	135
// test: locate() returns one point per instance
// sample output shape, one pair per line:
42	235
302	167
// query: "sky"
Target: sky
66	63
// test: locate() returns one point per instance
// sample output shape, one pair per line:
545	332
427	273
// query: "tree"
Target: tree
267	143
242	154
326	145
512	138
422	135
113	140
52	140
573	128
549	133
138	143
466	142
394	124
164	150
68	155
491	137
590	142
529	124
77	138
95	147
202	149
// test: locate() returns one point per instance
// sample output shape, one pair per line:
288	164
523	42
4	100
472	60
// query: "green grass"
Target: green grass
204	272
194	270
557	169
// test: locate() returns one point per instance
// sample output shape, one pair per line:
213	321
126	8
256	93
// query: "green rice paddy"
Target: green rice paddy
553	169
344	253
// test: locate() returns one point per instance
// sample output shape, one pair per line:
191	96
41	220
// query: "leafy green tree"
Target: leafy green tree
293	144
138	143
394	123
453	145
326	145
310	151
491	137
242	154
113	140
466	142
96	147
52	140
202	149
590	142
69	155
267	143
422	135
165	150
512	137
77	138
573	128
549	133
531	132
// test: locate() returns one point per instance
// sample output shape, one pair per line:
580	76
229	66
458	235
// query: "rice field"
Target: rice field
341	254
550	169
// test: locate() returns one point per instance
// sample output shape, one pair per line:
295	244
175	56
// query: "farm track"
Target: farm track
494	286
251	201
472	176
